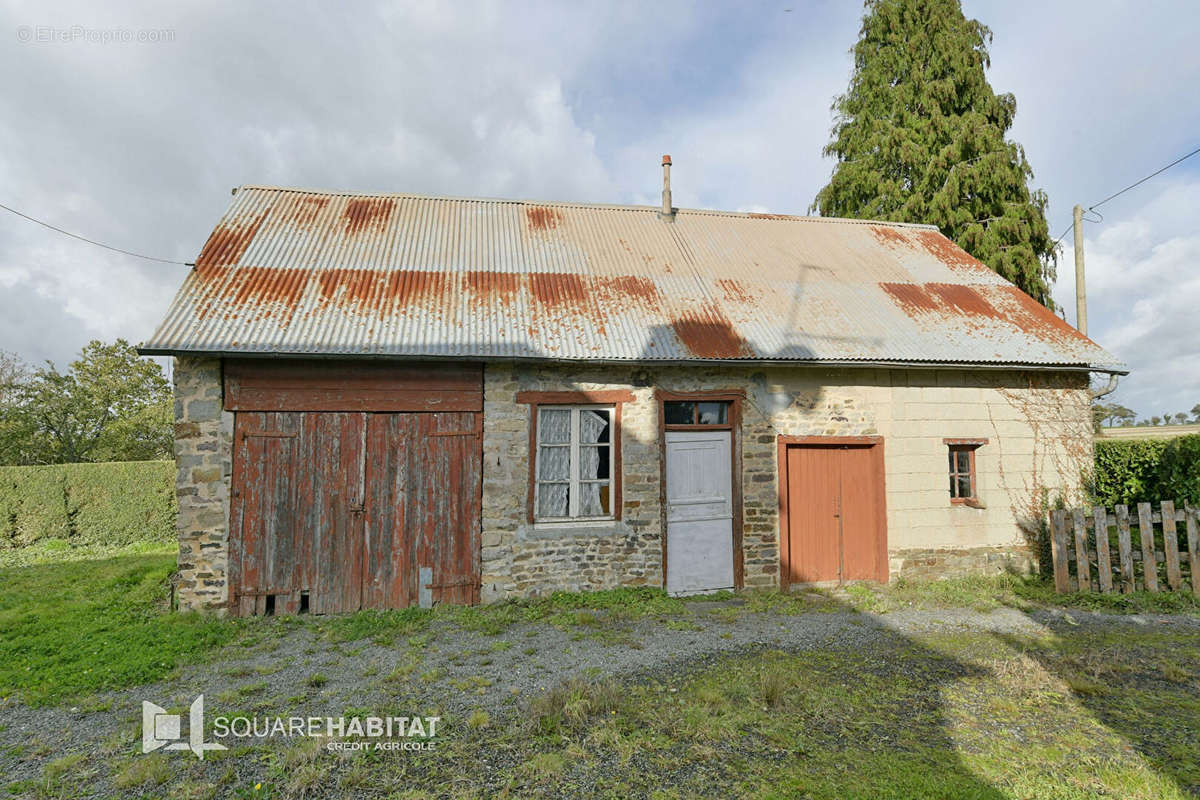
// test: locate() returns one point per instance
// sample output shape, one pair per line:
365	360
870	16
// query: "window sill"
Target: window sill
969	502
605	522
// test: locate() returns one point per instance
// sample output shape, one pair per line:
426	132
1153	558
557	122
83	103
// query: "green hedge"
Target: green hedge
109	505
1147	471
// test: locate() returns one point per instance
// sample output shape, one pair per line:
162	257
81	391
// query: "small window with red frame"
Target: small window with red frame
964	484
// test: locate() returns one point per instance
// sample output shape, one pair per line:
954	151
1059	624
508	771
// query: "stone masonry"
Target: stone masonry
203	458
1037	425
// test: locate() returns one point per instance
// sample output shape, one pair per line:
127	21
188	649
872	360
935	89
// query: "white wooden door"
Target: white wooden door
699	512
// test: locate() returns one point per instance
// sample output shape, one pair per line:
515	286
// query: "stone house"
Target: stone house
386	400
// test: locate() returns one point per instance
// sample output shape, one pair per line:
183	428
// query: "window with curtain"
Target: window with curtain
573	471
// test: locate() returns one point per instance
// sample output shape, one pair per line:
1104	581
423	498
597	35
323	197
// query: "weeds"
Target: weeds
571	703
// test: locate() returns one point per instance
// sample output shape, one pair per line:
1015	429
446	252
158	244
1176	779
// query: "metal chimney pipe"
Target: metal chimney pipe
668	212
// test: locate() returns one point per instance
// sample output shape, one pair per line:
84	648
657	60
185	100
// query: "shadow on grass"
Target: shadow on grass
1140	683
835	705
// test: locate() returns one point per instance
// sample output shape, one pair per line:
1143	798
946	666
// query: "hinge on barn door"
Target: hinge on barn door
268	434
425	586
472	582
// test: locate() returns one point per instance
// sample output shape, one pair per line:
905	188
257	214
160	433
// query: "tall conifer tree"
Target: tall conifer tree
919	136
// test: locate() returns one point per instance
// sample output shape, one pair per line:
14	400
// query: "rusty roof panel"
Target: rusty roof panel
301	272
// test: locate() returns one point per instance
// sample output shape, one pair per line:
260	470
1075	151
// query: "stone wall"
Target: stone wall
955	563
203	458
1037	425
522	559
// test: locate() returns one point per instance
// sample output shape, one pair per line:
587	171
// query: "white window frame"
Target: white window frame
574	482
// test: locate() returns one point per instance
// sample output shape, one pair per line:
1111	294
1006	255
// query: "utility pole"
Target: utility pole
1080	288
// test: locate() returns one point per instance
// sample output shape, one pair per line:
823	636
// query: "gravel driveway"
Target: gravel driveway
451	672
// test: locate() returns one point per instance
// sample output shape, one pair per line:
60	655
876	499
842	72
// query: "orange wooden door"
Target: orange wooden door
864	540
813	495
836	526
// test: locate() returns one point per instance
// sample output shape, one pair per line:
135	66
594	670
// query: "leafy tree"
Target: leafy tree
13	374
1196	413
1181	418
111	405
919	136
1155	420
1111	413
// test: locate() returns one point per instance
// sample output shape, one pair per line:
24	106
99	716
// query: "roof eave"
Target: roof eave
1109	369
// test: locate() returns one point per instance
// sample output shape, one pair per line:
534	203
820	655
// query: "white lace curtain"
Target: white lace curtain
591	425
554	462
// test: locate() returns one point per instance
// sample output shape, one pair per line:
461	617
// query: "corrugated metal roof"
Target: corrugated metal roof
306	272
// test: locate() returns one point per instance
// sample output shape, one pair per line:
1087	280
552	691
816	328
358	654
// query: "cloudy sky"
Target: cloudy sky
139	143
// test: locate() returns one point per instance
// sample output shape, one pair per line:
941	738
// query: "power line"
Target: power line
1094	206
1064	233
1143	180
93	242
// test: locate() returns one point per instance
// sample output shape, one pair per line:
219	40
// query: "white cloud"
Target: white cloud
1143	295
139	145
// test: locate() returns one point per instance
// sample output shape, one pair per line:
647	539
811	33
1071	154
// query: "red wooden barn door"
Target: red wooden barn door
864	538
446	505
836	527
424	480
331	507
262	510
354	485
297	512
814	492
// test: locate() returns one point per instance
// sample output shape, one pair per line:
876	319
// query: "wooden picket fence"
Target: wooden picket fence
1083	543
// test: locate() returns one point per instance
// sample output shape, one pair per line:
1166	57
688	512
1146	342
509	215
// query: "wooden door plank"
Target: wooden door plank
1058	550
1081	551
1171	546
387	576
1146	536
279	519
1103	561
263	531
291	603
1125	548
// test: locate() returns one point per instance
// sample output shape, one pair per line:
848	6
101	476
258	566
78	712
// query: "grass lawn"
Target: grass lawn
70	628
1085	711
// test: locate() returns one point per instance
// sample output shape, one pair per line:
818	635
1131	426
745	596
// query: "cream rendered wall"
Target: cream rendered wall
1037	424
